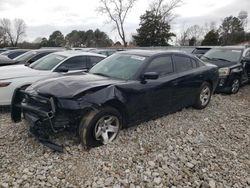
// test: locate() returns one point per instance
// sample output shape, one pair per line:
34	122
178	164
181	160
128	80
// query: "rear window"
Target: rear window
182	63
200	50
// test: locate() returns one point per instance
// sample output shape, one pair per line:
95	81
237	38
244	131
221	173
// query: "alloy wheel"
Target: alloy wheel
205	95
235	86
107	128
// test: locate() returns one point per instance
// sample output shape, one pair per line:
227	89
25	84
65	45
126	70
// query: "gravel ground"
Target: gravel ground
191	148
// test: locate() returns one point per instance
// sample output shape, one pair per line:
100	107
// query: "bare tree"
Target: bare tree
165	9
195	31
19	29
2	36
117	11
14	32
183	37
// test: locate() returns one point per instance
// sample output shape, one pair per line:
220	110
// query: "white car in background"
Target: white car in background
54	64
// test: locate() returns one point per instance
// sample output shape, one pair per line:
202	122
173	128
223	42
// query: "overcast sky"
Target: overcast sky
42	17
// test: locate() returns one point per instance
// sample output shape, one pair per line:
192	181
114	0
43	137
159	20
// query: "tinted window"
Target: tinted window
94	60
200	50
13	55
182	63
75	63
161	65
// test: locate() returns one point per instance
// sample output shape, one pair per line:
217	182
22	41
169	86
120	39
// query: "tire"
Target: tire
204	96
235	86
93	130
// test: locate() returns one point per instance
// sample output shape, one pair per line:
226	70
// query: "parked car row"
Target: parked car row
94	96
11	56
54	64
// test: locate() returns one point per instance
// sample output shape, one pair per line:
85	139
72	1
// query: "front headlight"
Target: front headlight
4	84
224	71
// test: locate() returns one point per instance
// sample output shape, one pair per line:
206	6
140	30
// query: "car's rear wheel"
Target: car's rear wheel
235	86
99	128
204	96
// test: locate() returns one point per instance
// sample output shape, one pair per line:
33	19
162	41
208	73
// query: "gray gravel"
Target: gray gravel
191	148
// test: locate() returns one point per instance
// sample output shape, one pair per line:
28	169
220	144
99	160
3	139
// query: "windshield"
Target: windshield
119	66
48	62
230	55
25	56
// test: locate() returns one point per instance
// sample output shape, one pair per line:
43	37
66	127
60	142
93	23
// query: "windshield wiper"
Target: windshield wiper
206	57
101	74
221	59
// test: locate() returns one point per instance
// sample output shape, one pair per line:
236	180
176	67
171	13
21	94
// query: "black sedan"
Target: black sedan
120	91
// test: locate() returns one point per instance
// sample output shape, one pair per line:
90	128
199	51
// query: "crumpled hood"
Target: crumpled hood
70	86
19	71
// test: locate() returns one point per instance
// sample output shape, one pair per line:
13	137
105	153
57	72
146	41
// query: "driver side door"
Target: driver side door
161	89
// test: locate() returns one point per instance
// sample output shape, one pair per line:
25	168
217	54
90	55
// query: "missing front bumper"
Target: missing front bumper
39	120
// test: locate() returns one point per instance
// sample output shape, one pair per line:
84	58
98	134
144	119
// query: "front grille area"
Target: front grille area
38	101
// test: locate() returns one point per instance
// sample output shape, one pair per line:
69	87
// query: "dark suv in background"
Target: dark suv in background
234	66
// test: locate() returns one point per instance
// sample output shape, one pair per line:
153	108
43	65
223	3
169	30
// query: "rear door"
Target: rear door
186	86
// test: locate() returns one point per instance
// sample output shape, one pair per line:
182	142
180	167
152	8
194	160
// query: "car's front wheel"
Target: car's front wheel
101	127
204	96
235	86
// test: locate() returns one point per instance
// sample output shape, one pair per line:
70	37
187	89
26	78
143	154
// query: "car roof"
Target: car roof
104	50
17	50
71	53
47	50
231	47
149	53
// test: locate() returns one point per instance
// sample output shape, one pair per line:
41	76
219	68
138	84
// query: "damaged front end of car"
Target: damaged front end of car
47	115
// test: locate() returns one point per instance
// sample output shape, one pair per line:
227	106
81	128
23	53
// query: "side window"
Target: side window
182	63
38	56
94	60
75	63
162	65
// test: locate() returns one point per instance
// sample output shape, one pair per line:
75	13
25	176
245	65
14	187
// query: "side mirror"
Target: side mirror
62	69
150	76
246	59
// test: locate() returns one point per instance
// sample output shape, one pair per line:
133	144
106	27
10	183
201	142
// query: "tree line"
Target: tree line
231	31
76	38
